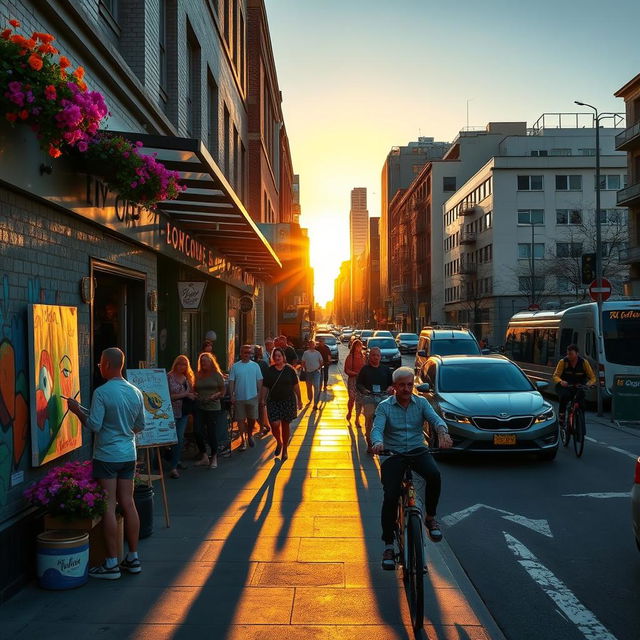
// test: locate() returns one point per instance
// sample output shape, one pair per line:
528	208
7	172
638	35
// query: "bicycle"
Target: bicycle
409	535
574	424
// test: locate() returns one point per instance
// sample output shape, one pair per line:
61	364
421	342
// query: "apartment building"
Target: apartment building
358	242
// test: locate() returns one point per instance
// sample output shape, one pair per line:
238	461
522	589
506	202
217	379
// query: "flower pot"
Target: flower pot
63	559
143	497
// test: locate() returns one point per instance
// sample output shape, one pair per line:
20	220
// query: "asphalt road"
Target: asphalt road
548	545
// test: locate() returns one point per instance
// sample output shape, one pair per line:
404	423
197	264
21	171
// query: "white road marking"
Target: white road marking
585	620
626	453
619	494
540	526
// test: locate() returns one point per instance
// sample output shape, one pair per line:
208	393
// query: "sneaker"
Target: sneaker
243	446
388	560
105	573
131	566
226	452
214	462
433	529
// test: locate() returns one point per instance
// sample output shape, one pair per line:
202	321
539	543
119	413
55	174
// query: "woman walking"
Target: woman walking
281	394
352	365
312	362
181	381
209	387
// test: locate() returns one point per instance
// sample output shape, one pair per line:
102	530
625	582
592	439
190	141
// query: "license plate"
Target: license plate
504	438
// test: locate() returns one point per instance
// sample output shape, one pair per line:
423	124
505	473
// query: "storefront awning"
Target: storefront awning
209	208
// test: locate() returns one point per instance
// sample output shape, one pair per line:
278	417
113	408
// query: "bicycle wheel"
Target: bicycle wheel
578	431
565	430
415	571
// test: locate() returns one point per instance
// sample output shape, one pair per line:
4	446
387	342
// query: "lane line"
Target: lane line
626	453
633	456
613	494
585	620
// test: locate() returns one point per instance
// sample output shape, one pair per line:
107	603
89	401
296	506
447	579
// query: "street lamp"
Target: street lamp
599	354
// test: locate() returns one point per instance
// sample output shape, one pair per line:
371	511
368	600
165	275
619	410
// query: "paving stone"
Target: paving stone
263	549
344	527
337	550
294	574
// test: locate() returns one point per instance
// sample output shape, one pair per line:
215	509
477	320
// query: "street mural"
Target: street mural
54	368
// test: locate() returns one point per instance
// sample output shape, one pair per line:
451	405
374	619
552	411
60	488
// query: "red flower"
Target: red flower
5	34
82	85
50	92
64	62
46	38
24	114
47	48
14	23
35	62
79	73
54	152
11	117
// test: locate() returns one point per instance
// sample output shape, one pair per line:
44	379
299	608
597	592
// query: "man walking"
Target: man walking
116	415
326	361
245	383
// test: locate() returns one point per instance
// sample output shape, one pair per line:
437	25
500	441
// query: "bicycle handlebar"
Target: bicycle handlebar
419	452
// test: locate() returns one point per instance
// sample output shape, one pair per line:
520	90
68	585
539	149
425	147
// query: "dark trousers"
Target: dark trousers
565	395
325	375
206	430
391	474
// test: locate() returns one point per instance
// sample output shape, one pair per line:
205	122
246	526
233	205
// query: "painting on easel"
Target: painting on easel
54	367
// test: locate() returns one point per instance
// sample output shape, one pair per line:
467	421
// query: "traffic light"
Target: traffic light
588	268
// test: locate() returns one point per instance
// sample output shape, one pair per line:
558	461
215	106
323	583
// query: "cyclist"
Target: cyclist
571	370
398	425
374	383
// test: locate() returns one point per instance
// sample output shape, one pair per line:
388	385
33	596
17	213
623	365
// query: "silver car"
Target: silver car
388	349
489	405
635	503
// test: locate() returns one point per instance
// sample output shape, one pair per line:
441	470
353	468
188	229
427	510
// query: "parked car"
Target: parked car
345	335
364	336
382	333
389	350
489	405
635	504
332	342
441	341
407	342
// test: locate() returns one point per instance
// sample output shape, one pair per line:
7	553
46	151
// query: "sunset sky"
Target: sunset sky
360	76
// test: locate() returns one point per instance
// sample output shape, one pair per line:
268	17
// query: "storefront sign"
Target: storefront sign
190	294
626	398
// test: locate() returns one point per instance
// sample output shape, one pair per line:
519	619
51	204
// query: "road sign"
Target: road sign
603	291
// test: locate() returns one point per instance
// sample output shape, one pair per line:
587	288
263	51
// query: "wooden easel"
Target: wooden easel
150	477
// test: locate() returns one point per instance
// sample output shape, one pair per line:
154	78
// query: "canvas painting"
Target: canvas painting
54	367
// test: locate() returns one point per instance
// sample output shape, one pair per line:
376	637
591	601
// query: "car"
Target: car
389	350
345	335
382	333
332	342
444	341
365	334
635	504
407	342
489	405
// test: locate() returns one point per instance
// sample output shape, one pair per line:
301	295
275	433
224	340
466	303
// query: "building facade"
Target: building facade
372	274
358	242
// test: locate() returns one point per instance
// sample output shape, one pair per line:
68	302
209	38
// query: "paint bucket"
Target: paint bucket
63	559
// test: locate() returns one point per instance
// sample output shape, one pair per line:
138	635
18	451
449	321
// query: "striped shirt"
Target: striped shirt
400	428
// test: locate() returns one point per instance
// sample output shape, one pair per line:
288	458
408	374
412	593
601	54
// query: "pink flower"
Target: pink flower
82	146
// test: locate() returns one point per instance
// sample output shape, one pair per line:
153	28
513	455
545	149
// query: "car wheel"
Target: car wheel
548	455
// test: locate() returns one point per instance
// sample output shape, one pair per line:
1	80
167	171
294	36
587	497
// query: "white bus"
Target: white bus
536	340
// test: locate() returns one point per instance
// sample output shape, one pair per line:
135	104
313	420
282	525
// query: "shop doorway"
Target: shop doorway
118	315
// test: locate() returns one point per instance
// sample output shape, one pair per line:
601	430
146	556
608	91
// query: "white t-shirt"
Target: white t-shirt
313	360
245	376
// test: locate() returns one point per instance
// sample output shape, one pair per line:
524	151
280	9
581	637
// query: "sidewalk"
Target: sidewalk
260	550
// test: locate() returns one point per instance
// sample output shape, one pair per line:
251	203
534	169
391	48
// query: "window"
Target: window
587	152
539	152
612	183
227	140
612	216
568	216
162	47
564	284
448	183
193	85
568	249
524	250
531	216
212	116
560	152
524	283
529	183
568	183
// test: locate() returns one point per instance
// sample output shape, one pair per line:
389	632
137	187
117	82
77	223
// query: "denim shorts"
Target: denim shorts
107	470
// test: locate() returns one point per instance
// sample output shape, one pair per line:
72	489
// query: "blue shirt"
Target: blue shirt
117	412
400	428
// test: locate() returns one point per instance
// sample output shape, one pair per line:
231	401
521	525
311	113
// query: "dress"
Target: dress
354	364
282	400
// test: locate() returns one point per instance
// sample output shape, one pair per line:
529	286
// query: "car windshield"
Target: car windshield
383	334
328	340
366	334
382	343
454	347
476	377
408	337
621	332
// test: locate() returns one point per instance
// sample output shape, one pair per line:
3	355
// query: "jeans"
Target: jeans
565	395
207	423
176	449
313	377
391	474
222	428
325	375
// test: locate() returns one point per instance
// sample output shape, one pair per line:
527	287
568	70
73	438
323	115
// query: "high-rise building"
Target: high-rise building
359	238
372	276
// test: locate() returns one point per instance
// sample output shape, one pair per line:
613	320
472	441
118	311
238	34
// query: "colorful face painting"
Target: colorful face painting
54	367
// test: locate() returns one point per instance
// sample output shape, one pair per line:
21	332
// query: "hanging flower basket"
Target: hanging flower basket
36	89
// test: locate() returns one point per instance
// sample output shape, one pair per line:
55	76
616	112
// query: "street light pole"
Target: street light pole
599	353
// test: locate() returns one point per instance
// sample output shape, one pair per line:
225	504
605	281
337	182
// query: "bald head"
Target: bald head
111	363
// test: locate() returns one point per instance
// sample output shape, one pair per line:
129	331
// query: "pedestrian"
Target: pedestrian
326	361
290	352
281	395
263	420
181	390
210	417
116	415
268	348
352	365
207	347
311	365
245	383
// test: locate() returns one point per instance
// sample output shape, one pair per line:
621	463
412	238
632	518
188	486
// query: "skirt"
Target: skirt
282	410
354	394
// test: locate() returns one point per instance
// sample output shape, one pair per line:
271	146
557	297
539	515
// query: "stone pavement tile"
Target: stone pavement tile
196	574
337	550
324	605
299	574
184	526
344	527
317	508
272	525
325	632
263	549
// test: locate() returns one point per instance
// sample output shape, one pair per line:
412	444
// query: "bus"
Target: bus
536	340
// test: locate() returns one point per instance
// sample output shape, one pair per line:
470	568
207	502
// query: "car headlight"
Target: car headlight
546	415
456	417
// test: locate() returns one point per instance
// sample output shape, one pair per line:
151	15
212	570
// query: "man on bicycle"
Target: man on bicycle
374	383
398	425
570	371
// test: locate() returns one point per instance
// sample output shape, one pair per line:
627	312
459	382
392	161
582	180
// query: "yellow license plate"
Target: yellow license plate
504	438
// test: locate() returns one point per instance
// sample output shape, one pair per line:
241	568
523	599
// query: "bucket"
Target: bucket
143	497
63	559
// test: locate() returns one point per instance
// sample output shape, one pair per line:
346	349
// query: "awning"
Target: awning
209	208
